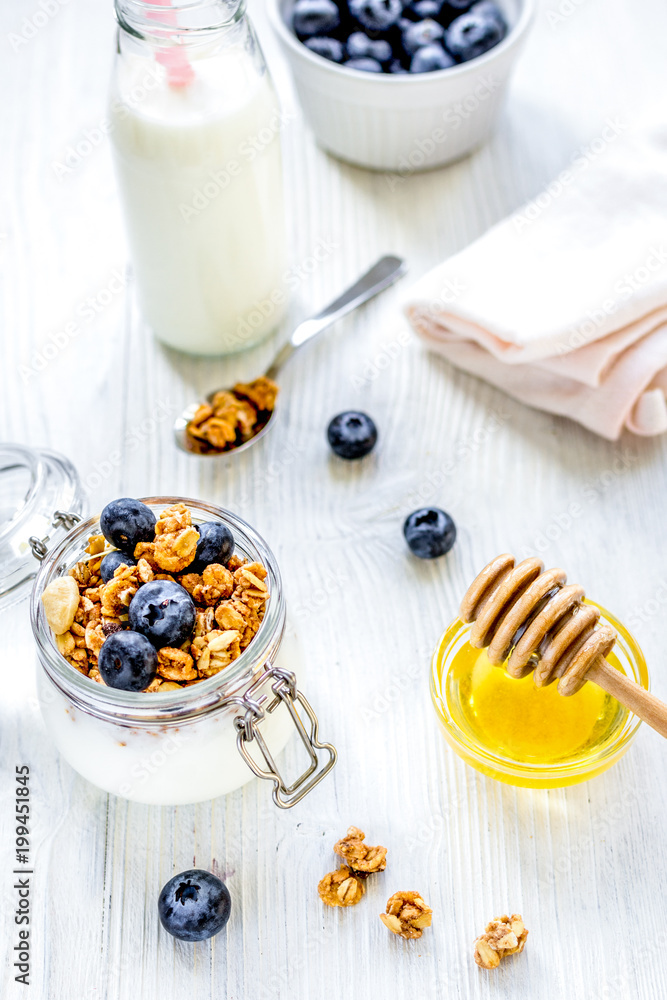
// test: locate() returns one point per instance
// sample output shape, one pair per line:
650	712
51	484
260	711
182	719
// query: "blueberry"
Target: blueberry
426	8
314	17
194	905
112	561
376	15
430	58
352	434
126	522
215	545
487	8
365	65
473	34
328	48
422	33
360	46
164	612
397	67
127	661
430	532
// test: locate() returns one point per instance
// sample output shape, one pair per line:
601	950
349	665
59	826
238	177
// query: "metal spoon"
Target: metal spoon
383	274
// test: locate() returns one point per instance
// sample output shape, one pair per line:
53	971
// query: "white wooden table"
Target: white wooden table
586	866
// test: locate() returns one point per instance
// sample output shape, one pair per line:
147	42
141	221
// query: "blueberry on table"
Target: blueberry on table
420	33
215	545
472	35
430	532
194	905
365	65
430	58
112	561
352	434
127	661
314	17
164	612
376	15
126	522
328	48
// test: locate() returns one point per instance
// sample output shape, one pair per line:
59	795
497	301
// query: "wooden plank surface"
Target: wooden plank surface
586	866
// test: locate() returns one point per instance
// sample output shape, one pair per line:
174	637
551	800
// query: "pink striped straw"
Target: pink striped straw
174	59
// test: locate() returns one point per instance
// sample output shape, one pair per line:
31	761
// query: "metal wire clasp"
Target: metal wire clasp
285	690
61	519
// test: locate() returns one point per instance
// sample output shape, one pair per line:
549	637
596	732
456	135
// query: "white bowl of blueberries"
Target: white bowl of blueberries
401	85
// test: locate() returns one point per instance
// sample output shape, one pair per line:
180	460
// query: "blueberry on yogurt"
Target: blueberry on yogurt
194	905
163	612
127	661
126	522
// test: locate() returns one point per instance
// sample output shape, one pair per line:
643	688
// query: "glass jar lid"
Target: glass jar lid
41	498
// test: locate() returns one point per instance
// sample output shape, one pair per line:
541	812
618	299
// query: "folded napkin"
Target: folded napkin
564	304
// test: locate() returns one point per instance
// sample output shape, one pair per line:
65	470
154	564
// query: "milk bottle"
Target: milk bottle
196	141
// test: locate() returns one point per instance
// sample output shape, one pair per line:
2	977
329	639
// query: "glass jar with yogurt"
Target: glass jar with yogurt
200	741
195	132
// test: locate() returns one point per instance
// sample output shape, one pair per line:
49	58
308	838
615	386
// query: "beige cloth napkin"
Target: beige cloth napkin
564	304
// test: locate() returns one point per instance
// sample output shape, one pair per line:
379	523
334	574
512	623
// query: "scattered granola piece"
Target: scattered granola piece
358	855
61	600
341	888
502	936
407	914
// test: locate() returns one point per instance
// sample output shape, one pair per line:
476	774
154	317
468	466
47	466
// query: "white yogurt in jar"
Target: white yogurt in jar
200	177
172	764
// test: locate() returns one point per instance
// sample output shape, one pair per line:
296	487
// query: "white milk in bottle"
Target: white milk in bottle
196	140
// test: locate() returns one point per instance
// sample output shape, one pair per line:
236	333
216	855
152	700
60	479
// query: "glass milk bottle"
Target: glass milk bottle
196	141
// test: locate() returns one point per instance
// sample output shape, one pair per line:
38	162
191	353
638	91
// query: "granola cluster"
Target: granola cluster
230	601
232	418
407	914
503	936
345	887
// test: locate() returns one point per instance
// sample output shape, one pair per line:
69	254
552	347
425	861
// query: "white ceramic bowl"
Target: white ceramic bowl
401	122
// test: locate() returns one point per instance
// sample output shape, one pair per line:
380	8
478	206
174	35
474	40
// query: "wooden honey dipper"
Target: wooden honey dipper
531	621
